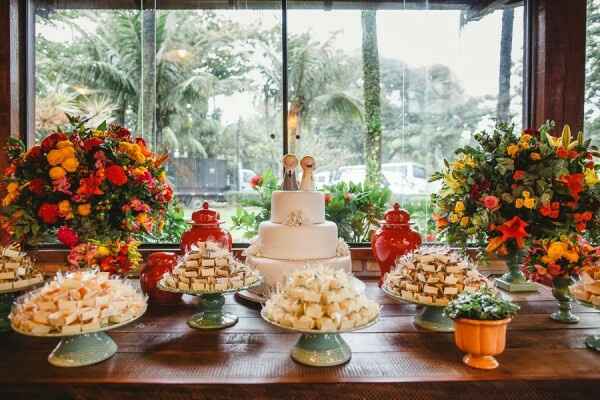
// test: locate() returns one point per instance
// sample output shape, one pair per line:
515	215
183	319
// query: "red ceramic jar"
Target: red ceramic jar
205	226
393	239
155	267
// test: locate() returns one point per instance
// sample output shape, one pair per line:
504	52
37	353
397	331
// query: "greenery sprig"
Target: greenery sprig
483	305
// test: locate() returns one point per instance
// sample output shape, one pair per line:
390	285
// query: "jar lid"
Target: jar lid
206	216
397	216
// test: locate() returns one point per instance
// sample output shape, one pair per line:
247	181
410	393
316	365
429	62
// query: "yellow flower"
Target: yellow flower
139	171
102	251
535	156
64	209
529	202
84	209
453	218
162	177
63	144
12	187
459	207
470	161
9	199
67	152
525	137
464	221
139	157
55	157
57	173
512	150
591	178
526	194
70	164
519	203
524	145
452	182
141	218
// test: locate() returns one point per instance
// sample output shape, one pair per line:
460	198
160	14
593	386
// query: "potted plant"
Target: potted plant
480	321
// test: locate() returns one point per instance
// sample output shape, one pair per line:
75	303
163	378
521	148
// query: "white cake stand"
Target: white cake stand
212	315
321	348
430	317
82	349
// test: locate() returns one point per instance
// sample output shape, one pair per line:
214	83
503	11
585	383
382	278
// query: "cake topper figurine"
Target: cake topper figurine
308	168
290	163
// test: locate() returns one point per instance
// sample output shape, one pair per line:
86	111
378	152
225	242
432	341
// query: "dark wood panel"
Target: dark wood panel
559	62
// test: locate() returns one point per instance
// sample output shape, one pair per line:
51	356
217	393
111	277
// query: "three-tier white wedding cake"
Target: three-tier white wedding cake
297	234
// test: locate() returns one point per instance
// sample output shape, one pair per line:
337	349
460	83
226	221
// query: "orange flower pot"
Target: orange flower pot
481	340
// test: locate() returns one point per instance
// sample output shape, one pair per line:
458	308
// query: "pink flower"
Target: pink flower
491	202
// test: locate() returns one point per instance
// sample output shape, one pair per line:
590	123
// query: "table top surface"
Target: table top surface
160	348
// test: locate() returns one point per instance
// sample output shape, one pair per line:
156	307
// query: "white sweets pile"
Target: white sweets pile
17	269
322	299
210	268
76	303
433	276
588	288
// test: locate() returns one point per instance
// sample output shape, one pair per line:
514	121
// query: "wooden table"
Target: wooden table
161	357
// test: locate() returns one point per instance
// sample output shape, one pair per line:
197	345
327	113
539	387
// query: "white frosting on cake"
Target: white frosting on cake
305	242
274	272
311	205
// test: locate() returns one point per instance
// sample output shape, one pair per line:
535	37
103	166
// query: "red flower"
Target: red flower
580	227
67	236
256	181
116	175
48	213
34	153
327	198
168	193
554	269
491	202
50	141
123	133
107	264
550	210
574	183
564	153
92	143
514	229
519	175
36	186
532	132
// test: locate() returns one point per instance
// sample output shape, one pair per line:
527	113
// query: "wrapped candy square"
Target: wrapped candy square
433	276
17	270
321	299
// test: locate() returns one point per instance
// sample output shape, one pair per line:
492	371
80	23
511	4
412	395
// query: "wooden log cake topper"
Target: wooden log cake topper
308	168
290	163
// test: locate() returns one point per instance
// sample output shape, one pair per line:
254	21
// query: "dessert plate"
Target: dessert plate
321	348
430	316
212	315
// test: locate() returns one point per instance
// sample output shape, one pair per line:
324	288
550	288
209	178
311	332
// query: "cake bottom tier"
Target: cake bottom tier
273	272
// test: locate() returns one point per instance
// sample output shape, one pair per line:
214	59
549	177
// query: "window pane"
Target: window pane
444	73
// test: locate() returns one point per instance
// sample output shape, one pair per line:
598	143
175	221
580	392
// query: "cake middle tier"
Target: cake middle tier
305	242
310	204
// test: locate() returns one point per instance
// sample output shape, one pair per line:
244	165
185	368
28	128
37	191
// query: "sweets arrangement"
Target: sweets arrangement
17	270
588	288
433	277
210	268
322	299
76	303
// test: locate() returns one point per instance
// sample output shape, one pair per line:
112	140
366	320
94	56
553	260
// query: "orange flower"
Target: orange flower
573	182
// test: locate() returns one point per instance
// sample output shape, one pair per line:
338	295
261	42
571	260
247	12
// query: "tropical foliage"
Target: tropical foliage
512	189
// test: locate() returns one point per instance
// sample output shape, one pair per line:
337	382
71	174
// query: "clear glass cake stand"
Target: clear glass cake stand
212	315
430	317
320	348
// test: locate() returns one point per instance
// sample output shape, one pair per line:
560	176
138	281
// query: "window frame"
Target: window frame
26	64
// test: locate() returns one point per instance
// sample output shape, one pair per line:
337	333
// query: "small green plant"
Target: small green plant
483	305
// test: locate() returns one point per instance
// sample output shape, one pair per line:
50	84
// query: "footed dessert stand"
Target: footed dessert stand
82	349
321	348
592	341
430	317
212	315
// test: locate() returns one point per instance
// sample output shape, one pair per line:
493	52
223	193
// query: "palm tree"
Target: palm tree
318	79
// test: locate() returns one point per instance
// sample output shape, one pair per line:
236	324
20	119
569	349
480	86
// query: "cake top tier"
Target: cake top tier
296	208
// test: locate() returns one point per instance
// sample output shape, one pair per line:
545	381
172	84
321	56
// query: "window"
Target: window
592	76
205	81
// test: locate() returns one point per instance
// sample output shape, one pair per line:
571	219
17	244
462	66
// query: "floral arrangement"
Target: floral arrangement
84	186
511	189
355	208
118	257
559	258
